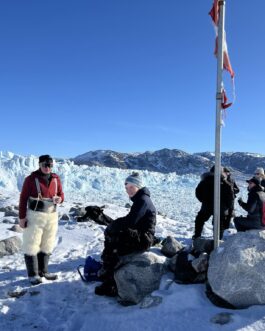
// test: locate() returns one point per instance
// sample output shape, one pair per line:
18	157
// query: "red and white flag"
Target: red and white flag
214	13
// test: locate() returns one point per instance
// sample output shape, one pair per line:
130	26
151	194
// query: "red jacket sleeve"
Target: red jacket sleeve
60	190
25	194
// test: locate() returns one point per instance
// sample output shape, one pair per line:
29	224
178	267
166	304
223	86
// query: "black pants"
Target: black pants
204	214
243	223
123	243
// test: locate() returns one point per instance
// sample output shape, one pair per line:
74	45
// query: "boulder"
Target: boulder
170	246
5	209
10	246
236	269
77	211
11	213
138	276
64	217
9	221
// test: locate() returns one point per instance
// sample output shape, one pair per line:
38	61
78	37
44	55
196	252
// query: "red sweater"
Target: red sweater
29	189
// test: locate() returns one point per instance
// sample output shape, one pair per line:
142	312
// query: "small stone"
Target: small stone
222	318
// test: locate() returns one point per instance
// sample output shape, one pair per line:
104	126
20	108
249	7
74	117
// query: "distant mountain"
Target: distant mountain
171	160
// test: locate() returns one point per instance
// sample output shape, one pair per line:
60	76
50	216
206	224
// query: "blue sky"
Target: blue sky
127	75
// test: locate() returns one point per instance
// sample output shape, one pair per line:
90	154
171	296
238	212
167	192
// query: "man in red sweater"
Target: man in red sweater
40	195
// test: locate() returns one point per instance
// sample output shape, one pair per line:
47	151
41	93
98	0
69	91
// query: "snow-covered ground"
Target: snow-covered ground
70	305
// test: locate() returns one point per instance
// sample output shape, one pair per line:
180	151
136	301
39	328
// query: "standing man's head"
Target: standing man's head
46	164
259	173
133	184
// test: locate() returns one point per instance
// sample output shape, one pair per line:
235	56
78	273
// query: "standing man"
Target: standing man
235	190
254	206
40	195
205	194
130	234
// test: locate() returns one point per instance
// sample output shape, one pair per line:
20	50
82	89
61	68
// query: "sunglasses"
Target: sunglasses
46	165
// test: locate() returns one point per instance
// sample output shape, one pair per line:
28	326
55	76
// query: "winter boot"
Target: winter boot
107	288
32	269
43	260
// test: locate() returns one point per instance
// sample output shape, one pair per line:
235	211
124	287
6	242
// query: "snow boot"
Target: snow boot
43	260
107	288
32	269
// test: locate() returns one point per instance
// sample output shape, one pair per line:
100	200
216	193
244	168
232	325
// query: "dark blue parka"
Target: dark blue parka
136	230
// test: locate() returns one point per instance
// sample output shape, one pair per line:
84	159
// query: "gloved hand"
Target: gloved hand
240	201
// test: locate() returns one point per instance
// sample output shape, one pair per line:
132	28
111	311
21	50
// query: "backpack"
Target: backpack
91	268
185	269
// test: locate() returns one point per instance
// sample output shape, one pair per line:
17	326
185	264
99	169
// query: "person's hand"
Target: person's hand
57	200
23	223
240	201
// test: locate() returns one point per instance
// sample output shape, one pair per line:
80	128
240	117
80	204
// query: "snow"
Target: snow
68	304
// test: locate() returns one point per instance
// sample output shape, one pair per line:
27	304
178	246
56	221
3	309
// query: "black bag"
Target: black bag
184	272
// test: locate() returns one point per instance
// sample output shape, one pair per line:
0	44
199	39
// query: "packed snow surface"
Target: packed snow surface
68	304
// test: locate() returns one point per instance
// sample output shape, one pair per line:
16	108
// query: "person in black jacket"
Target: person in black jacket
254	206
129	234
205	194
235	190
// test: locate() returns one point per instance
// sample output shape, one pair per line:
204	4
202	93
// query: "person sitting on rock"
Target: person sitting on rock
129	234
254	206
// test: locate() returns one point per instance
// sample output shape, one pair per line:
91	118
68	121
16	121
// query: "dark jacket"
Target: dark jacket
205	191
254	205
142	216
29	189
234	186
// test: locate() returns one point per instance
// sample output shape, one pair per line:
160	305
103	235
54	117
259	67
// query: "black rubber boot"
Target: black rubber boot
107	288
32	269
43	260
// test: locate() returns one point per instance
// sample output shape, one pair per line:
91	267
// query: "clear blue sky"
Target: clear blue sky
127	75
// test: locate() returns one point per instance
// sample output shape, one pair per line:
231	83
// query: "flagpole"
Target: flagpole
218	126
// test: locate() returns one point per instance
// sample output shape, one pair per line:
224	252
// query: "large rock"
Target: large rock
10	246
139	275
170	246
236	269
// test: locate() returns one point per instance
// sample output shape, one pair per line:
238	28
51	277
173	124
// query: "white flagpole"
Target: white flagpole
217	170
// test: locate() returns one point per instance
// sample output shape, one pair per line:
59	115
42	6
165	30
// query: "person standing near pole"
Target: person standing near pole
40	195
205	194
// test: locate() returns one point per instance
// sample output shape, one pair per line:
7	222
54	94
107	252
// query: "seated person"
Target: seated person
254	206
129	234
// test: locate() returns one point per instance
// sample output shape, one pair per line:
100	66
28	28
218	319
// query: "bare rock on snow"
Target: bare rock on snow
222	318
65	217
138	276
170	246
77	211
10	246
16	228
236	269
